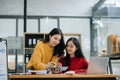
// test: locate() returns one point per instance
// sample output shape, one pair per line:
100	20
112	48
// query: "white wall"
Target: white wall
60	7
48	7
11	7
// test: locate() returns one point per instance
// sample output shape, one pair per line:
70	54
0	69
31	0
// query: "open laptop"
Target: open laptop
98	65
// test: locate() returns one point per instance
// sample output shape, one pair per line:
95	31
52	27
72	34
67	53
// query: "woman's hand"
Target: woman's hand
70	72
59	65
51	65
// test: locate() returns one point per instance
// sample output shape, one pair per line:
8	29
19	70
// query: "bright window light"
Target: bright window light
113	3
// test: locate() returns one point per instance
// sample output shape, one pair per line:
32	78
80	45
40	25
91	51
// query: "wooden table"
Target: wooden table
63	77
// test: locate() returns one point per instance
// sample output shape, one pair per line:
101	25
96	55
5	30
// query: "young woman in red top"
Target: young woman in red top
74	58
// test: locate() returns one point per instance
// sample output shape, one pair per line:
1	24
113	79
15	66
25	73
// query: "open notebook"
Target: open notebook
98	65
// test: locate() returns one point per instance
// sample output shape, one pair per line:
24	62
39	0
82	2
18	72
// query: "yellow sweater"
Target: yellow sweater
41	56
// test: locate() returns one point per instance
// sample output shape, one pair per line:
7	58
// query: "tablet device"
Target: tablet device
64	68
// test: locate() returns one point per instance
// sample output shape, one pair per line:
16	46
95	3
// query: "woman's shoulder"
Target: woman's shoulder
40	44
83	59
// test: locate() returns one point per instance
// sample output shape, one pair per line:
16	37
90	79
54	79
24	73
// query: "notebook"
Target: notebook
98	65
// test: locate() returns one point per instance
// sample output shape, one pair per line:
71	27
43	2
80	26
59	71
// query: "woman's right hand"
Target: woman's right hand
51	65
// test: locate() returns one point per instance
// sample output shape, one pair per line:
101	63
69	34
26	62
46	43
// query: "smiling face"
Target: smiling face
54	40
71	48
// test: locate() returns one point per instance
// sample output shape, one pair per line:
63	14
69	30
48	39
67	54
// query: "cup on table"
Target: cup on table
56	70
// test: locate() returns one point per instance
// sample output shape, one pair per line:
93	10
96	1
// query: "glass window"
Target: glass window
7	27
47	24
20	27
32	25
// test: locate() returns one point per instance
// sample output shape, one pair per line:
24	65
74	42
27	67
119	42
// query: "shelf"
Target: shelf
31	39
112	55
29	48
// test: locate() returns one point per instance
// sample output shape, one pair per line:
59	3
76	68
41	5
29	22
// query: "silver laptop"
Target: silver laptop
98	65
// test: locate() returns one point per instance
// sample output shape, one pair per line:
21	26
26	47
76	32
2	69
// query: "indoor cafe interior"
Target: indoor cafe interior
23	23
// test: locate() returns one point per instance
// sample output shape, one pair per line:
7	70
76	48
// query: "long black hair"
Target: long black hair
59	49
78	52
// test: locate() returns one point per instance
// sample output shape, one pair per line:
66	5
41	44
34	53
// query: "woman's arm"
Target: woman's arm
85	66
35	61
36	58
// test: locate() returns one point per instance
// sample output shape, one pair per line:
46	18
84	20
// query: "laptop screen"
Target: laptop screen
98	65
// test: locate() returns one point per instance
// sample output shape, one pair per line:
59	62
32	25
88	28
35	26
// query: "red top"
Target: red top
79	65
